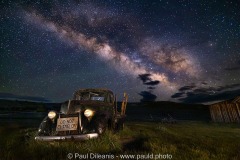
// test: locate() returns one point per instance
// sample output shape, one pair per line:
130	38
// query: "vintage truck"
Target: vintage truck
87	115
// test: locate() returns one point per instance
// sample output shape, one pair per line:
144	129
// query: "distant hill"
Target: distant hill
152	111
155	111
10	96
16	105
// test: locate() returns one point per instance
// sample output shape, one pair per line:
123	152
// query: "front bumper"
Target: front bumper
69	137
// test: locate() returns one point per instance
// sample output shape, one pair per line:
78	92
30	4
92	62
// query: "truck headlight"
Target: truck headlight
88	113
52	114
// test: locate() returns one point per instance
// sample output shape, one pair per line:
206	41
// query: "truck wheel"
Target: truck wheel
110	124
101	127
119	126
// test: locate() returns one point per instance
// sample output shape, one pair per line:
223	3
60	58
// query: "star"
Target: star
52	49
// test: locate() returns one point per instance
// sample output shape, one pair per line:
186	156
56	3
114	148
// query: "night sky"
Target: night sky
183	51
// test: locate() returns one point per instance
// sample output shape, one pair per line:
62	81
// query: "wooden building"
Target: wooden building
226	111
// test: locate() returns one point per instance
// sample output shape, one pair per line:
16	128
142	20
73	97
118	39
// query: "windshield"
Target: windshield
75	105
93	96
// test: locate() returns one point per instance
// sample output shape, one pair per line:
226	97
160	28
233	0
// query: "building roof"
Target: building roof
234	100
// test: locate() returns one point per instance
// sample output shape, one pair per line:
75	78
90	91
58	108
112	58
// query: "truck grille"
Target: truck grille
84	122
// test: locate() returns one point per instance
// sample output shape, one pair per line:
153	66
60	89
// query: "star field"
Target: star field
182	51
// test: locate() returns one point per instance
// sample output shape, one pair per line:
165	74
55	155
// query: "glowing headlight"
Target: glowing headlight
52	114
88	113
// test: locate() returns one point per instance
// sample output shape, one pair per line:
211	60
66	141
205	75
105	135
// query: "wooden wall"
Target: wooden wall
225	112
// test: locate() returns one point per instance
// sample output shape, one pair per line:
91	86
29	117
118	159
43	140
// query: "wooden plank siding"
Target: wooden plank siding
229	112
226	112
234	111
226	117
238	109
237	112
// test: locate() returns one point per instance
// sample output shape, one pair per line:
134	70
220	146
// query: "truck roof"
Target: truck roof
93	90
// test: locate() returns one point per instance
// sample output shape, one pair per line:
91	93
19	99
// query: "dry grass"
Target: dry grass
188	140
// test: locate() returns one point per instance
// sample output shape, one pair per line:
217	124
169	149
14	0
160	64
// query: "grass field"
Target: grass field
184	140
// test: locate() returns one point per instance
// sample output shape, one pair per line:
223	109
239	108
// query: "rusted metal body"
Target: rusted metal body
87	115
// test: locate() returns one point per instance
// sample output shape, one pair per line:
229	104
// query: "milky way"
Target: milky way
167	57
177	51
120	60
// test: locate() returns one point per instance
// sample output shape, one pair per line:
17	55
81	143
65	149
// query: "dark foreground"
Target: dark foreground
184	140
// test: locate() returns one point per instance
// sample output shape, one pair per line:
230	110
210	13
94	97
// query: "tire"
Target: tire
101	126
119	126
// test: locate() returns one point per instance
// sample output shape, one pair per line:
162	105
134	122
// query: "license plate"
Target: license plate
67	124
